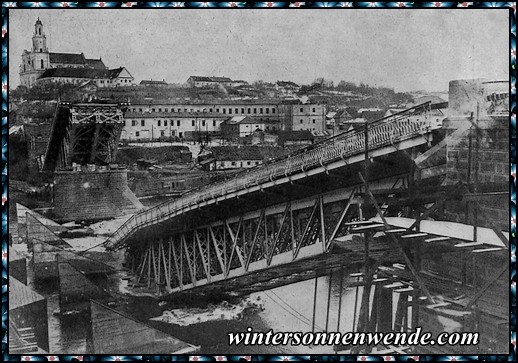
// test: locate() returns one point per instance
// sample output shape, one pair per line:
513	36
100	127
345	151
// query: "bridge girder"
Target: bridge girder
244	244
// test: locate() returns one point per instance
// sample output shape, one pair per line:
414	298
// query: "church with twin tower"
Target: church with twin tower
41	65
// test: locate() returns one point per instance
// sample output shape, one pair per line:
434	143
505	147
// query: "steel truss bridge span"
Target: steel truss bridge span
385	139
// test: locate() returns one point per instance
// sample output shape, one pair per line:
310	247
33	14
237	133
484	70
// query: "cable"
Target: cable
308	322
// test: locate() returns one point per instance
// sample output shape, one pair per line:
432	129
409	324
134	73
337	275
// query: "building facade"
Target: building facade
203	81
238	127
162	125
310	117
274	114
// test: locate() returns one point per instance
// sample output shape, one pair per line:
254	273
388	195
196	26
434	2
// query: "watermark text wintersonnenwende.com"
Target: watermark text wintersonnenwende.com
416	337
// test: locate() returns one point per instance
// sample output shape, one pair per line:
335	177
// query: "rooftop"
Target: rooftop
210	79
199	115
297	135
151	82
234	153
287	84
372	115
68	58
82	73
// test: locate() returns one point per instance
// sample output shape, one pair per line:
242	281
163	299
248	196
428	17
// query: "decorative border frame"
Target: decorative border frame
512	45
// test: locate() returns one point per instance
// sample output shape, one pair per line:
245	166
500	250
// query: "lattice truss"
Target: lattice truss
87	134
254	241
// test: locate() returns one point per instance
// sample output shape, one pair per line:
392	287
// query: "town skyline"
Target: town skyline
259	45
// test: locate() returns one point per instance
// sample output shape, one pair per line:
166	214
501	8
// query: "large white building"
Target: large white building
39	63
162	125
274	114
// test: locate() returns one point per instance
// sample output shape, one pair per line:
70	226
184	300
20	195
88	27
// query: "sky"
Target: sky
402	49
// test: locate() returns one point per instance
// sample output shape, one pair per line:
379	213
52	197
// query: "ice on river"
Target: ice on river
222	311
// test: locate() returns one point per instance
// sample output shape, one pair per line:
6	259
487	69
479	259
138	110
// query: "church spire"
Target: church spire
39	41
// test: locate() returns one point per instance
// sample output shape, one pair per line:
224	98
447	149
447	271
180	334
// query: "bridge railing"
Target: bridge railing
381	133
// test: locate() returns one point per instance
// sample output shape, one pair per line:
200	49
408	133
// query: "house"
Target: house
238	83
240	126
237	157
310	117
287	88
203	81
151	83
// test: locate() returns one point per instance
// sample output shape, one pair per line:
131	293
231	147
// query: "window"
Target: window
165	122
178	123
273	110
152	110
162	133
247	163
193	123
142	122
255	110
137	134
159	110
133	122
214	123
217	109
261	110
314	121
236	111
203	123
256	163
233	163
159	123
224	111
301	121
314	110
248	111
242	110
230	111
267	110
301	109
139	110
210	109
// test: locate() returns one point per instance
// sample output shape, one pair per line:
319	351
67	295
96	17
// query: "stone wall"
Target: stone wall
92	195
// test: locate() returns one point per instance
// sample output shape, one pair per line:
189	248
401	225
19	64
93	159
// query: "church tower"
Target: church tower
35	62
39	41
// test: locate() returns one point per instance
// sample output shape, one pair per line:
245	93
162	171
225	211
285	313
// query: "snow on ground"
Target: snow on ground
20	249
83	243
449	229
109	226
222	311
